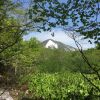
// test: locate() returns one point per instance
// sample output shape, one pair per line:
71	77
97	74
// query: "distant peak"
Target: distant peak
50	43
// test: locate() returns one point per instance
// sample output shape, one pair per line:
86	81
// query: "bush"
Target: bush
59	86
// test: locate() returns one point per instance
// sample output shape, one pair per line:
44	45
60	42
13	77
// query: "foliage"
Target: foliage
19	58
60	79
59	61
10	30
59	86
28	56
16	61
98	46
81	15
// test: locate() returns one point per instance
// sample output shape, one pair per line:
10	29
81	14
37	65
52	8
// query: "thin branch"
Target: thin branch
87	62
90	82
85	58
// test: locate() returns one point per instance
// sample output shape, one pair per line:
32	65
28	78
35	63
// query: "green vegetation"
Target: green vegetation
40	73
59	60
56	75
60	86
16	60
81	15
50	74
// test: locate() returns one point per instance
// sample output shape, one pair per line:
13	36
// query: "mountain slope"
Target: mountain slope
50	43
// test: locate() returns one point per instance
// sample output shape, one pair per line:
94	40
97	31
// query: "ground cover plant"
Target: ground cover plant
60	86
64	80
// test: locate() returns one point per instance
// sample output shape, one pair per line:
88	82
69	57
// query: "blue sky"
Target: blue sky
59	36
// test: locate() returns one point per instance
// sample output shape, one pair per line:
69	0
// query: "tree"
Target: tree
19	60
98	46
13	23
81	15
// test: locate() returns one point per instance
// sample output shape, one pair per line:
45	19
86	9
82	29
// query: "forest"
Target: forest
28	71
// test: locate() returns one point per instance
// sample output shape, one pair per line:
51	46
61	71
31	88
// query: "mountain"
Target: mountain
50	43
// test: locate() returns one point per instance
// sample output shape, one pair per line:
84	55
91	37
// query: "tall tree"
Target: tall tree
12	26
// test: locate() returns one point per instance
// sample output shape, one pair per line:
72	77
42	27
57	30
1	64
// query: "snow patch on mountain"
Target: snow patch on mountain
51	44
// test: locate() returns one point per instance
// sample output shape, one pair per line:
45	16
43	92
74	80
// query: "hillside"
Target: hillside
50	43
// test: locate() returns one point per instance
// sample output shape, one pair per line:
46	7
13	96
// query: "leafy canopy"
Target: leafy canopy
82	15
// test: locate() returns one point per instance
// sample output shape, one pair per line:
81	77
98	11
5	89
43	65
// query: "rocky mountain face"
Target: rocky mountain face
50	43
